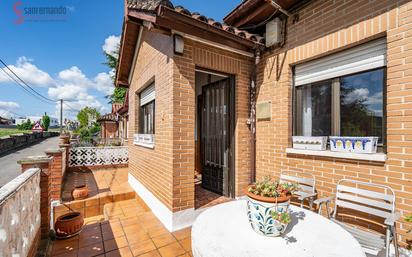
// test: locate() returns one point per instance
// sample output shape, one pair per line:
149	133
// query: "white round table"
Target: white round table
224	231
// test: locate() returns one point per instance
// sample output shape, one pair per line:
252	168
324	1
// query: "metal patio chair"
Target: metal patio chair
351	196
306	189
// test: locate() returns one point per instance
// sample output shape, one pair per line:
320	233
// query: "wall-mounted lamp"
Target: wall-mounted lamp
178	44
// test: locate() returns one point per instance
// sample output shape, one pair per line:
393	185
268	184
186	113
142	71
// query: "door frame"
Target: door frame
232	128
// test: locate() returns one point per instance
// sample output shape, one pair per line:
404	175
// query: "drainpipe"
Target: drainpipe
52	232
252	117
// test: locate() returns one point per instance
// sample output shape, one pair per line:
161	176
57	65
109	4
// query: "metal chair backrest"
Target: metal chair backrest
378	201
306	182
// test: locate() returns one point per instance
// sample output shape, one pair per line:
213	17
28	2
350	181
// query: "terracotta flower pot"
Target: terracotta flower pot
64	139
80	192
69	224
259	212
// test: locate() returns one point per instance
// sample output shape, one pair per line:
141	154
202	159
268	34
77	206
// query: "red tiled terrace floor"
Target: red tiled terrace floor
132	230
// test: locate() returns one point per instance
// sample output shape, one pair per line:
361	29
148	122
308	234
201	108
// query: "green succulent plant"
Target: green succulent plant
282	217
408	218
269	188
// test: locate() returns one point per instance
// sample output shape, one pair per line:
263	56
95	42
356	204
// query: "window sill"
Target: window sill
144	140
375	157
146	145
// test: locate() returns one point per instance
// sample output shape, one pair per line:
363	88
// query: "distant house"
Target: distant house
123	119
115	124
5	121
109	126
54	122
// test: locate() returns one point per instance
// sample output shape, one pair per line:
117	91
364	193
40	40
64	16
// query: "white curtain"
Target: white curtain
307	111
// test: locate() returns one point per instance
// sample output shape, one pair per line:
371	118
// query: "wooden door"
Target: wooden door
215	136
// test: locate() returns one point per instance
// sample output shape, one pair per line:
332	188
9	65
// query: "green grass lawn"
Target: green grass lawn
7	131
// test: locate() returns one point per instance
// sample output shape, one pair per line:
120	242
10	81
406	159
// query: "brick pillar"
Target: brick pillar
56	172
43	163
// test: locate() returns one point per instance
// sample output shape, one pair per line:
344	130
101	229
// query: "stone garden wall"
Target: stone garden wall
20	215
12	142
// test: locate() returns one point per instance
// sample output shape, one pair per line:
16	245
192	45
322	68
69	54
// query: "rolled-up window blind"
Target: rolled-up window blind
367	56
147	95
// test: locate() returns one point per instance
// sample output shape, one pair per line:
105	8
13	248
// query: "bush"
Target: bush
85	135
25	125
46	122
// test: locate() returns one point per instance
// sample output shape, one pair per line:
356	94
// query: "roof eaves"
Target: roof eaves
214	25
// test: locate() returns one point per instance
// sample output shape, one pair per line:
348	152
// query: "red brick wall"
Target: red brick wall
109	130
50	185
325	27
168	169
153	167
203	56
56	174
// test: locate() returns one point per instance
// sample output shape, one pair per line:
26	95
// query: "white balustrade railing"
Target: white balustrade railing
98	156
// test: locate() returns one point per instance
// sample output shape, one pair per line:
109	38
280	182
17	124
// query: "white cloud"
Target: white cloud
6	107
375	99
111	45
73	75
373	102
69	84
29	72
359	93
103	82
9	105
66	92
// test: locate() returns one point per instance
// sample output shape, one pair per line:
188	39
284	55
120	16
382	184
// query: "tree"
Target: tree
25	125
119	94
112	59
87	117
89	126
46	122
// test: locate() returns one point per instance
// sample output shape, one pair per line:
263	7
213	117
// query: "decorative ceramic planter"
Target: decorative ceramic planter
80	192
259	212
69	225
309	143
354	144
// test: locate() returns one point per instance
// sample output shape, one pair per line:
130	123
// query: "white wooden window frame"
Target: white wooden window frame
366	57
147	96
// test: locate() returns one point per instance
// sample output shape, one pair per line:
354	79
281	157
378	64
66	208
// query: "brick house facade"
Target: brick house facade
164	174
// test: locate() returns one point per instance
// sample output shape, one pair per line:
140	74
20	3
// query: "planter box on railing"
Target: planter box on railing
145	140
354	144
309	143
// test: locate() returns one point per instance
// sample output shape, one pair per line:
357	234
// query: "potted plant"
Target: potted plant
408	219
64	138
268	206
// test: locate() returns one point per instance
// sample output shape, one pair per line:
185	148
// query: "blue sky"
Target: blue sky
64	59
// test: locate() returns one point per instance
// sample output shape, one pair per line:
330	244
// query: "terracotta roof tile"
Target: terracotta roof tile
107	117
148	5
152	5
